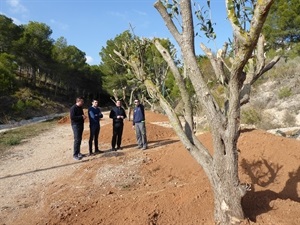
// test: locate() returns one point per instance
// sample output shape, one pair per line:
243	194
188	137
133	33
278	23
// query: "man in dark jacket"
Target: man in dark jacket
94	118
117	114
139	125
77	121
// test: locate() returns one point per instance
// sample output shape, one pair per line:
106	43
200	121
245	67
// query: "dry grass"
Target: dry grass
18	135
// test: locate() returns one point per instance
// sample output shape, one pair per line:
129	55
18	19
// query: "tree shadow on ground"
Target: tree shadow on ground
44	169
153	144
263	173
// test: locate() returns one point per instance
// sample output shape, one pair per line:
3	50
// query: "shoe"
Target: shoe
77	157
138	147
80	155
114	149
98	152
90	154
144	148
119	148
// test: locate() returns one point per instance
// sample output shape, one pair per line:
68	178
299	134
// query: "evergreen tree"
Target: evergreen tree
282	26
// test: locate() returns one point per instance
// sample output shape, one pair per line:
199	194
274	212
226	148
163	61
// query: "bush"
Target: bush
19	106
284	92
13	140
250	116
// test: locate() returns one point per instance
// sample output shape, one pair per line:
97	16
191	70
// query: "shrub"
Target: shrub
284	92
13	140
250	116
19	106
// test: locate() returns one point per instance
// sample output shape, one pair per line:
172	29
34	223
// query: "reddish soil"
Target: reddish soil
161	185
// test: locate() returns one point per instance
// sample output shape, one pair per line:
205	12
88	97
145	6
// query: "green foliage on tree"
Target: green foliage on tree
29	53
7	77
10	33
116	75
119	76
34	48
282	25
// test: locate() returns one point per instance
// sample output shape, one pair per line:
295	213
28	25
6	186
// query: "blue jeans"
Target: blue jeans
77	131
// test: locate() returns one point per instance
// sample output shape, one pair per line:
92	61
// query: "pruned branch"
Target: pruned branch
168	20
217	63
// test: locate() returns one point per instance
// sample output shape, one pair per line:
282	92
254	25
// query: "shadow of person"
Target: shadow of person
263	173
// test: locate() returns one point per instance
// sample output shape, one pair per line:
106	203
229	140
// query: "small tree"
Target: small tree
247	64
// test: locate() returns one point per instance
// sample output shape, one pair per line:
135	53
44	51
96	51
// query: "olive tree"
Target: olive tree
236	72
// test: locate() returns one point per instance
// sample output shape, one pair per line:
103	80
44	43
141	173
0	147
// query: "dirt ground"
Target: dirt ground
41	183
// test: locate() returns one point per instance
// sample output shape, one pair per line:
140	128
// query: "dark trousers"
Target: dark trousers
94	134
117	135
77	131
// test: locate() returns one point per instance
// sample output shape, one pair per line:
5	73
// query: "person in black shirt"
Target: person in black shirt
117	114
77	121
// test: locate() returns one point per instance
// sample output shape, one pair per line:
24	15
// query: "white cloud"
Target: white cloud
89	60
16	21
16	6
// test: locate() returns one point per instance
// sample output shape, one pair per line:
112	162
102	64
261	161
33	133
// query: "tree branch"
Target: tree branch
181	85
168	20
217	64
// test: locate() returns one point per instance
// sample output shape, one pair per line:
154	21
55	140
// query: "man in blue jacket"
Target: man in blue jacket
139	125
94	117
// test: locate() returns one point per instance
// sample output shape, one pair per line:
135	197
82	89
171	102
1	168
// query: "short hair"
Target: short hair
78	99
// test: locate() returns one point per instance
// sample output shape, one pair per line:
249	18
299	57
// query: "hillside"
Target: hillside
42	184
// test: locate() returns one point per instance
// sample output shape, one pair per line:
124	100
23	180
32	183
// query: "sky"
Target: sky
89	24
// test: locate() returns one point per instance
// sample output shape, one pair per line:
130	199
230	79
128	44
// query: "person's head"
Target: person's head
118	103
79	101
136	102
95	103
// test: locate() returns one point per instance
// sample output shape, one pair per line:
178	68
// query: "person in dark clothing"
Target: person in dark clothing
117	114
94	118
139	125
77	122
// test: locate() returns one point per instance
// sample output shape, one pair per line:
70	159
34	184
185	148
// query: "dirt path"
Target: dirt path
42	184
31	165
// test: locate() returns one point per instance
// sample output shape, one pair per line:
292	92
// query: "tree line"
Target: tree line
30	57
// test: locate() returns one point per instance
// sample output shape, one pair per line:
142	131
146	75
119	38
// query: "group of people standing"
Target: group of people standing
117	114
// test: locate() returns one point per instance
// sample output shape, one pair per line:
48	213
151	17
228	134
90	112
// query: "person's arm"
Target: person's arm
112	114
143	112
124	116
92	115
100	114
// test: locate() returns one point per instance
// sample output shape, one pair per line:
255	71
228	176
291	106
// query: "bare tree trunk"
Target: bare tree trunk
227	203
